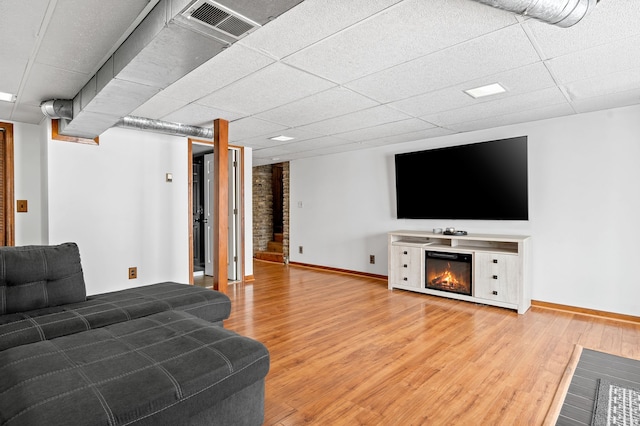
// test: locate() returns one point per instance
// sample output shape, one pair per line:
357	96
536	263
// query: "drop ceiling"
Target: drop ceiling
340	75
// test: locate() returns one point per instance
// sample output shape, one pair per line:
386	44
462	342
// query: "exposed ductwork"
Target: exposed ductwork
148	124
58	108
562	13
63	109
176	37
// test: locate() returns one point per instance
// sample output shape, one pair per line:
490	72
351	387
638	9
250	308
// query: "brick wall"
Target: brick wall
262	207
262	211
285	209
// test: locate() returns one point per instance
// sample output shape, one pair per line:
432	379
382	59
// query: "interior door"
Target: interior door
232	264
209	251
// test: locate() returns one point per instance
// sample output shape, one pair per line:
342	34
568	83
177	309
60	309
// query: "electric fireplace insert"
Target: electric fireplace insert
448	272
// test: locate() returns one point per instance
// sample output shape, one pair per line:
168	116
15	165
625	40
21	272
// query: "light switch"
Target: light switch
22	206
169	177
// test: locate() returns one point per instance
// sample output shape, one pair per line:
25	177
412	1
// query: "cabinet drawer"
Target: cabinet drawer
406	266
496	277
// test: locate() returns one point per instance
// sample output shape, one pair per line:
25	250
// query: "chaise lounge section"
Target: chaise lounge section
149	355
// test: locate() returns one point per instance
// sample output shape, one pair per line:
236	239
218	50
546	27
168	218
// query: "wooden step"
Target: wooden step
279	237
271	256
275	246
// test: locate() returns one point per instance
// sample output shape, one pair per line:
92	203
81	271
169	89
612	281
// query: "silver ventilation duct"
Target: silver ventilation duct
58	108
562	13
148	124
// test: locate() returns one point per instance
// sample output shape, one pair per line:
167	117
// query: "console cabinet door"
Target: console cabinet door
496	277
406	268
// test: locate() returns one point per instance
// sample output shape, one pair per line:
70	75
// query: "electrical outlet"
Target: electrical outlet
372	259
133	273
22	206
300	249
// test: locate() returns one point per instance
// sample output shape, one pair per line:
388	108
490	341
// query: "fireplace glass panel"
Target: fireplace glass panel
449	272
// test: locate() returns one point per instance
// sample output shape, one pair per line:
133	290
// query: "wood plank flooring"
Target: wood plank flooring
347	351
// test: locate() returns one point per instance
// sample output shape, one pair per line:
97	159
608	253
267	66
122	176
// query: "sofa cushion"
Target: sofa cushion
128	372
110	308
33	277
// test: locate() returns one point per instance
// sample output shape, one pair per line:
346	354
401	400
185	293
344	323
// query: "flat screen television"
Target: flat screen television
479	181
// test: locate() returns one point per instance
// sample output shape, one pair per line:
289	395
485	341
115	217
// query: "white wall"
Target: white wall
113	201
28	147
583	198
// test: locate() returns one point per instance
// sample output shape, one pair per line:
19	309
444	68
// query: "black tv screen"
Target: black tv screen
479	181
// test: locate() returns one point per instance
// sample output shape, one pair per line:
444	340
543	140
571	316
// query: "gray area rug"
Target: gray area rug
616	405
576	399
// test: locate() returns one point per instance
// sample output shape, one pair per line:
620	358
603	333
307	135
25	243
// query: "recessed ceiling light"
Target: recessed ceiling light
7	97
281	138
488	90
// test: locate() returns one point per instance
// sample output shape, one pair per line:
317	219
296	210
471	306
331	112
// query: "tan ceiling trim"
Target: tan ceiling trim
55	123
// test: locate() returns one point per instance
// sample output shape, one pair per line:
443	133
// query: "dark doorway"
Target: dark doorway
278	191
198	213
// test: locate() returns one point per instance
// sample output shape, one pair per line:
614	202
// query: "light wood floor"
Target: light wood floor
347	351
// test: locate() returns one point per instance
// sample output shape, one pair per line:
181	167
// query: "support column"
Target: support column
221	204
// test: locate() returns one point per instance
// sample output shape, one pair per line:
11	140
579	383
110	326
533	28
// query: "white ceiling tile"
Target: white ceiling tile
20	24
328	104
300	26
610	100
73	19
199	115
68	84
609	21
494	53
5	110
249	127
600	60
542	113
609	84
357	120
516	81
158	106
274	85
27	113
273	151
388	129
397	35
229	66
409	137
318	143
498	107
11	73
308	145
256	162
328	150
263	141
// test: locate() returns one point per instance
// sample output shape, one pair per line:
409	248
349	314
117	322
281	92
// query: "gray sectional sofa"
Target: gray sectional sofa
152	355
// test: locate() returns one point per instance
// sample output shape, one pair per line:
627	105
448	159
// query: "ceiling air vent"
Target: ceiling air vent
223	19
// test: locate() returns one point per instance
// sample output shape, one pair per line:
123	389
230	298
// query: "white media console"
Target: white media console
500	265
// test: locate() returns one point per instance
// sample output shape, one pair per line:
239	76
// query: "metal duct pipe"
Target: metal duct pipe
58	108
563	13
177	129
